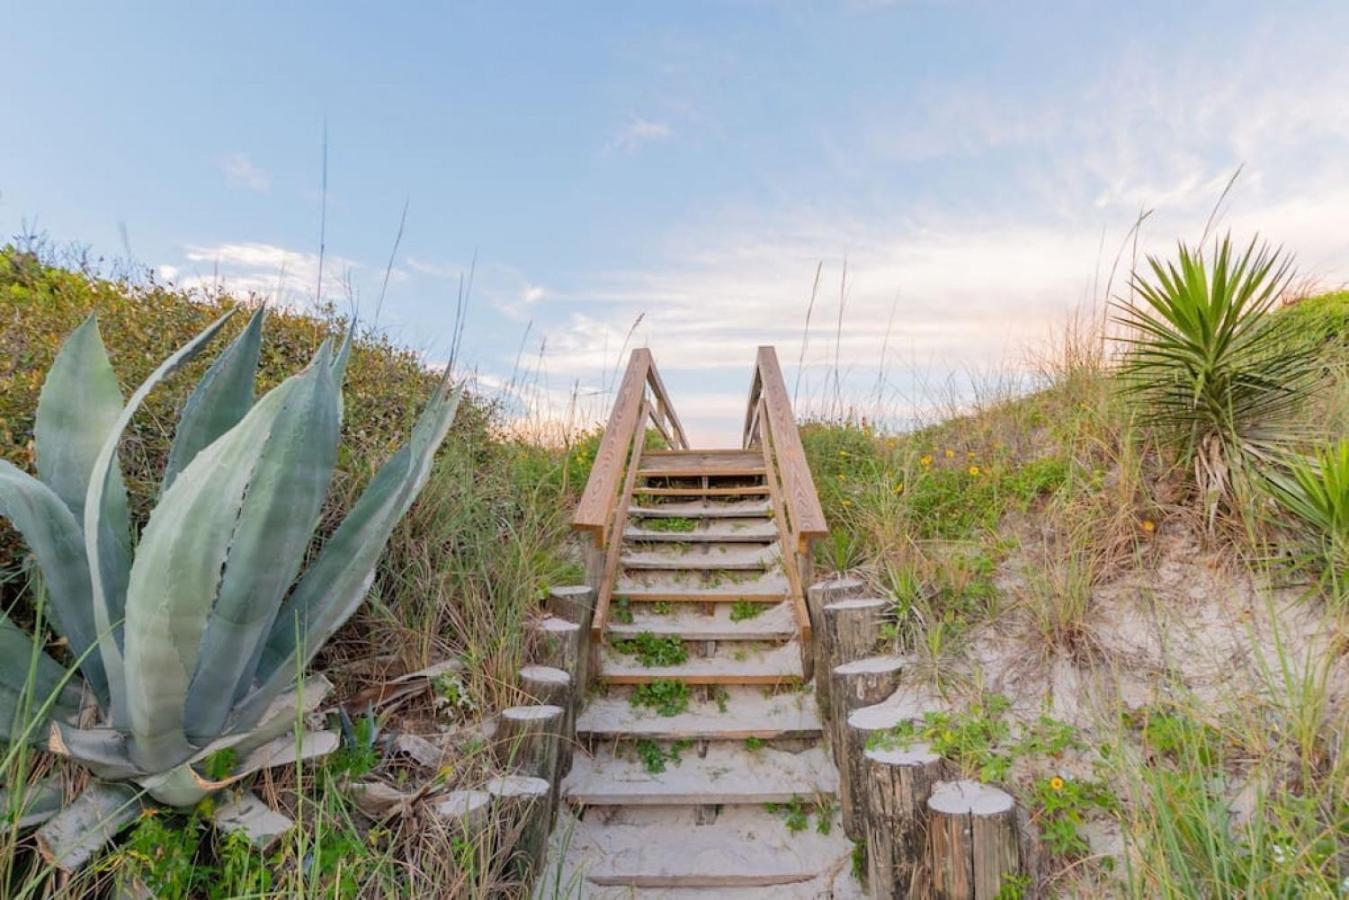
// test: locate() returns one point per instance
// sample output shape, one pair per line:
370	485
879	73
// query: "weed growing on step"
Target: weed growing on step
1062	805
662	607
741	610
620	610
795	814
666	697
654	757
722	697
754	744
672	525
652	651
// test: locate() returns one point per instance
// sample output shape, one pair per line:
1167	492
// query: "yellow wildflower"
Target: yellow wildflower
899	488
1056	783
926	460
1149	526
950	454
843	454
847	503
974	470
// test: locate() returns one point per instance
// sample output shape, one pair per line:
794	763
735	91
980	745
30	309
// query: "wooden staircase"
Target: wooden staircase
702	554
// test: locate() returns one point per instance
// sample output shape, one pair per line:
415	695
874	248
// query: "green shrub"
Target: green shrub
1316	494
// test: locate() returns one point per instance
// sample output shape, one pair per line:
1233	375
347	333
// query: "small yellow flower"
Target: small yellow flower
926	460
899	488
847	503
970	454
950	454
841	476
974	470
1056	783
843	454
1148	526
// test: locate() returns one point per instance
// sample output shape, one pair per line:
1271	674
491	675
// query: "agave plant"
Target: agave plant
1211	368
189	646
1315	491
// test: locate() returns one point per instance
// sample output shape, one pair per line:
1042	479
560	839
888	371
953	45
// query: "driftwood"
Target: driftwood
818	596
898	784
973	842
523	803
859	728
553	687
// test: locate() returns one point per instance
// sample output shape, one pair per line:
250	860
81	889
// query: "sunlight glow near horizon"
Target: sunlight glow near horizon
976	168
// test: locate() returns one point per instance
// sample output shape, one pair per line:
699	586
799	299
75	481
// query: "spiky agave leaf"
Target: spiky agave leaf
107	580
222	397
55	538
31	682
336	583
187	549
275	525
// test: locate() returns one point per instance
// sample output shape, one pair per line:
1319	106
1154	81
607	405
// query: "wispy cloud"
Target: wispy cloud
261	269
639	132
241	172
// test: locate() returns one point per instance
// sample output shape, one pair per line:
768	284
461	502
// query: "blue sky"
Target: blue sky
691	163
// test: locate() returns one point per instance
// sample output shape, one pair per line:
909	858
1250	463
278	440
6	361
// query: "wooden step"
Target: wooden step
758	531
696	587
774	623
703	557
747	491
748	714
752	850
742	509
728	775
697	463
767	665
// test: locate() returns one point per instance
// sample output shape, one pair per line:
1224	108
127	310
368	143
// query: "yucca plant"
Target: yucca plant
1315	491
190	645
1211	368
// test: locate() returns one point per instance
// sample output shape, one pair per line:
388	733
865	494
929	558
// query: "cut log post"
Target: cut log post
561	644
849	630
525	822
527	742
818	596
898	784
853	685
861	725
465	812
576	603
553	687
973	843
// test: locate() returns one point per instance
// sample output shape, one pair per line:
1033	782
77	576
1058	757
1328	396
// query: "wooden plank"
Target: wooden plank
799	495
733	510
704	558
747	714
615	547
666	408
594	510
750	490
690	623
797	591
641	596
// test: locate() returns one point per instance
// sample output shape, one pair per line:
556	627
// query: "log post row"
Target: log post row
853	685
553	687
525	820
527	742
850	630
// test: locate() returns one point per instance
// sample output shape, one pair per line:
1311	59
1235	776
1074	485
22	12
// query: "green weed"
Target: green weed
667	698
652	651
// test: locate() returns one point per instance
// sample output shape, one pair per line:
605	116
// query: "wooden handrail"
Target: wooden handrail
769	406
595	512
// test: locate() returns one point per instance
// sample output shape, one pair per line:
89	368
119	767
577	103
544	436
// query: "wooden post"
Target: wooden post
553	687
850	629
973	842
524	801
560	644
576	603
819	595
852	685
862	723
464	811
898	784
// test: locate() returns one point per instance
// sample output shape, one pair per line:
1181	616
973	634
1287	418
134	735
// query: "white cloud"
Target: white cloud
242	173
265	270
638	132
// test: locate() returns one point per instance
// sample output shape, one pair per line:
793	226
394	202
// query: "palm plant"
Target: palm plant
1316	493
1211	369
189	647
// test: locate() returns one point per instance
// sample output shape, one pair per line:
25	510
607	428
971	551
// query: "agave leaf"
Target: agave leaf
275	525
32	682
108	571
222	397
338	580
74	835
283	714
32	805
53	535
102	751
178	570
